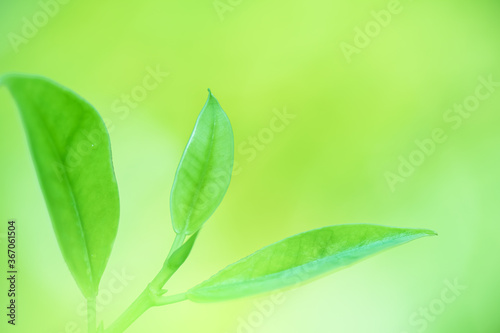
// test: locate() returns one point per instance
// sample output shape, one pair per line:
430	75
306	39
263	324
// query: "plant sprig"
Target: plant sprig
71	153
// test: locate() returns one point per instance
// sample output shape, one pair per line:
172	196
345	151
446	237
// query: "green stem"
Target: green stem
166	300
91	315
166	272
151	295
134	311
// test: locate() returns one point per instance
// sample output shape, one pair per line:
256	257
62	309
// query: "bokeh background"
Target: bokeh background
354	103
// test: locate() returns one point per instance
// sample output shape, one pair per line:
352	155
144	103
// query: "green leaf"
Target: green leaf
72	156
204	171
300	258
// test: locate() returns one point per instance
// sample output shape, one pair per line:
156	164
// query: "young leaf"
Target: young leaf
300	258
181	254
204	172
71	152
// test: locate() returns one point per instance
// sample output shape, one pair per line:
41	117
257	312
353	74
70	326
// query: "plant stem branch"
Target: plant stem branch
166	272
134	311
151	295
166	300
91	315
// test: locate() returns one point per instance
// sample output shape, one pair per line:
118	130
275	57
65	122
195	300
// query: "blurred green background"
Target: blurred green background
351	116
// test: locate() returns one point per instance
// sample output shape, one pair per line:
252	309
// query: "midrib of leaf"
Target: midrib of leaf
204	175
69	186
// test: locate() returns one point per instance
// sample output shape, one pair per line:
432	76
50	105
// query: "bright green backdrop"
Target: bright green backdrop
350	121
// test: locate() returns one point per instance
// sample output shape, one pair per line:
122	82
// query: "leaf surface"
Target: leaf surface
205	169
71	152
301	258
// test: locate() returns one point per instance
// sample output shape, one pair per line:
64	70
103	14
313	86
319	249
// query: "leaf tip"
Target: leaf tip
426	233
211	96
432	233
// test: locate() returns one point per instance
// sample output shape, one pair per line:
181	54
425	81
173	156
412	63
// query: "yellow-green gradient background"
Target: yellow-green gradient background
352	122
